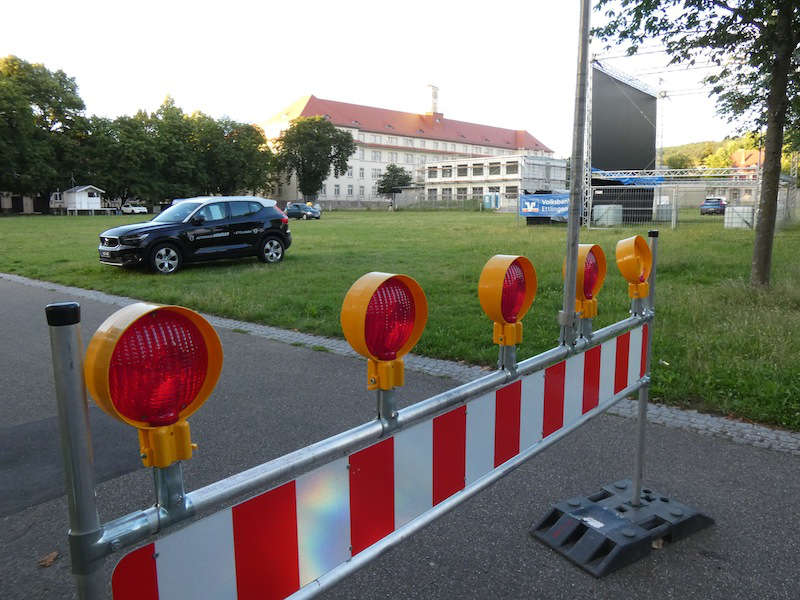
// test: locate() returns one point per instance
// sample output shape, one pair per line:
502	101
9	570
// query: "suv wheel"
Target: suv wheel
271	250
165	259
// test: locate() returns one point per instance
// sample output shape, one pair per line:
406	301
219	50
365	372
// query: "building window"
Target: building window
435	145
512	168
391	140
462	170
447	193
393	157
477	170
336	190
432	173
376	156
410	158
374	190
431	194
324	190
349	190
361	172
376	173
349	171
361	191
512	190
452	147
447	172
360	137
461	193
361	153
375	139
421	143
477	191
409	142
494	189
494	168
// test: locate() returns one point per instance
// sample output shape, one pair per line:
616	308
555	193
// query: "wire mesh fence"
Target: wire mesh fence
668	205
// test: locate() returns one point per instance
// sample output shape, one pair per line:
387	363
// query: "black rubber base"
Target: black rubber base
604	532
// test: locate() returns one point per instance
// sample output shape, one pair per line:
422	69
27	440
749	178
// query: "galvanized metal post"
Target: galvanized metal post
644	391
387	409
674	207
170	492
507	358
76	446
566	318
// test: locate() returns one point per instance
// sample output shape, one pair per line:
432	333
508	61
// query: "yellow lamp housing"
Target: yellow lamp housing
635	261
151	366
589	277
506	290
383	316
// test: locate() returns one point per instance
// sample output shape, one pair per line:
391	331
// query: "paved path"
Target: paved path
274	397
737	431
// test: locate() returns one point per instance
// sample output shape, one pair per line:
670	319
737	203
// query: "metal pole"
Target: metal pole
644	391
387	409
566	318
76	446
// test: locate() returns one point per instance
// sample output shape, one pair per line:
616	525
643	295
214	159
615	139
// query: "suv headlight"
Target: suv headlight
133	240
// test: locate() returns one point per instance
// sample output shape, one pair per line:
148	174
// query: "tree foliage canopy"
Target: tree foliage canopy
309	148
47	142
393	179
756	45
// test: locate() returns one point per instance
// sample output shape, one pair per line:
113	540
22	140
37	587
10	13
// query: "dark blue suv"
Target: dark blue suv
298	210
199	229
713	206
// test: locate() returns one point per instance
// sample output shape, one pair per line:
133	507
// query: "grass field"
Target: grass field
719	346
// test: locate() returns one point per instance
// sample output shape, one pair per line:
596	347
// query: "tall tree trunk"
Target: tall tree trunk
777	104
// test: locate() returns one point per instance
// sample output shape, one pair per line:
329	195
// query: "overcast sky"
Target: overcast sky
509	64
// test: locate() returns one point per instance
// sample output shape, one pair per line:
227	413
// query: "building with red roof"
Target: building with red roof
409	140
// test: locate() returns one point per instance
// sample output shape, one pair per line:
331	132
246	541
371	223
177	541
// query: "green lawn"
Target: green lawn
719	345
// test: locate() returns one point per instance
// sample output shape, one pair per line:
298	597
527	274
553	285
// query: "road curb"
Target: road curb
739	432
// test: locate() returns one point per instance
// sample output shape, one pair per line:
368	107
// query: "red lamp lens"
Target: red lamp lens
389	319
513	292
157	368
591	272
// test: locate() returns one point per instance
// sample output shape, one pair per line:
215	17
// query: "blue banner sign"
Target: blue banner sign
544	205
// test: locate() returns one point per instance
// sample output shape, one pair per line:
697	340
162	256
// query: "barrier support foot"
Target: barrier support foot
604	532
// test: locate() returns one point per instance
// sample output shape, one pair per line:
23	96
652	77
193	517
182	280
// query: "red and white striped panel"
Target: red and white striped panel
272	545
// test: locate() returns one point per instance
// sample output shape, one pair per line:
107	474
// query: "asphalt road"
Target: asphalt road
273	398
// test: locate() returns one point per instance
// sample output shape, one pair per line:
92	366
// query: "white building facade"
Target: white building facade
414	142
506	176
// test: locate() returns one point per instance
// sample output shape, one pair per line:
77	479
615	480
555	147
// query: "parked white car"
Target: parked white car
133	209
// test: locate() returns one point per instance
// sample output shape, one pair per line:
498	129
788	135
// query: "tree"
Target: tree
39	111
679	160
755	44
393	179
309	148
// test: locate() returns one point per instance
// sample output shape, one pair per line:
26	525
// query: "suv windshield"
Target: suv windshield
177	213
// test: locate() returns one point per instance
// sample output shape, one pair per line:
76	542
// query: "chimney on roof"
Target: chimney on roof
437	116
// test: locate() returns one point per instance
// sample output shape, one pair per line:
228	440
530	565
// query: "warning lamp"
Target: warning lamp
506	291
589	278
151	366
383	316
634	261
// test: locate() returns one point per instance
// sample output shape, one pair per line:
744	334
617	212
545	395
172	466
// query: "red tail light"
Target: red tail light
389	320
158	367
591	272
513	292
